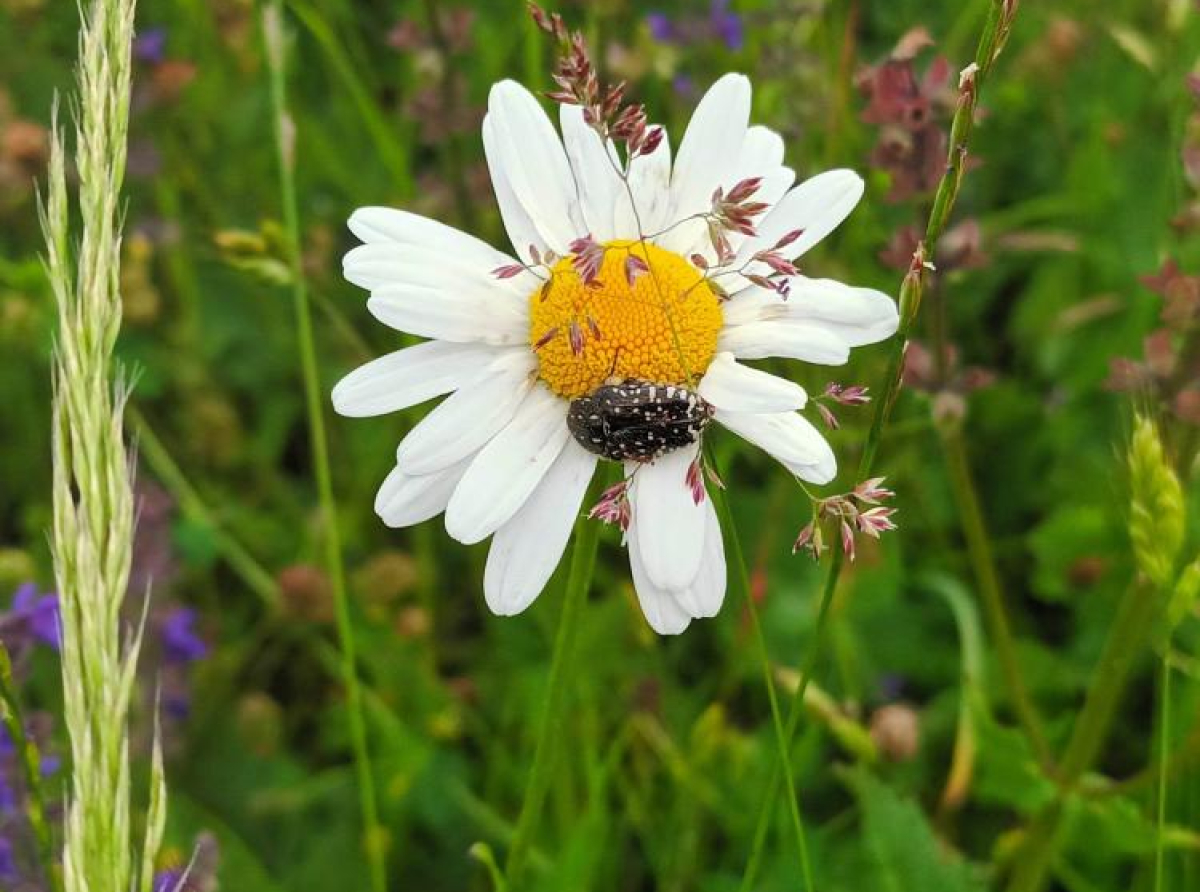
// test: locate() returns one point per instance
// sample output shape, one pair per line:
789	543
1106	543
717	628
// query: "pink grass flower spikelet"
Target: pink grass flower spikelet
645	281
851	513
613	506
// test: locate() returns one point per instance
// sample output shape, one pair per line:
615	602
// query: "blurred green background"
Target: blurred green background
1084	184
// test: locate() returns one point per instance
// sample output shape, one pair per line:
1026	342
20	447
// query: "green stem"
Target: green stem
971	700
983	565
1164	752
31	768
390	150
1130	629
552	730
284	138
995	32
168	472
783	736
795	710
854	737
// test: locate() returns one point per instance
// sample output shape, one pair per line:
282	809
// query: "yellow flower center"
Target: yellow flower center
663	328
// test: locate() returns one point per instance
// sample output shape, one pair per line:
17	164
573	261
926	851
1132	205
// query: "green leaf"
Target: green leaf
1071	547
907	856
1120	826
1007	772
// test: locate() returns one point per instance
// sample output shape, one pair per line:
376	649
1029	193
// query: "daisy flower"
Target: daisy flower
642	283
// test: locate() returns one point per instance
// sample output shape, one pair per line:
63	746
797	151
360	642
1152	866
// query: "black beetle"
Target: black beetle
633	420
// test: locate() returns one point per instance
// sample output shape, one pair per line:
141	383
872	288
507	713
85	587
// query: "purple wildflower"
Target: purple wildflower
662	28
8	861
151	46
684	86
199	875
37	613
181	643
8	792
726	25
721	25
168	880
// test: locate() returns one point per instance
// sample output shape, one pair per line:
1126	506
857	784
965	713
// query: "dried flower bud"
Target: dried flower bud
852	395
575	338
827	416
634	267
550	335
588	259
695	479
614	507
306	593
872	491
508	271
896	731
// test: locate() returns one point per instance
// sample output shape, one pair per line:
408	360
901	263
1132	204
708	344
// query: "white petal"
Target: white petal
524	150
404	500
738	388
788	438
376	225
810	342
528	547
706	593
373	266
650	184
450	315
858	315
670	525
408	377
817	206
761	153
518	223
711	145
662	611
691	236
752	304
594	166
465	421
508	468
819	321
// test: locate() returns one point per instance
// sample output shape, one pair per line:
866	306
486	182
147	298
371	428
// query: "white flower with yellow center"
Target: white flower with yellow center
641	356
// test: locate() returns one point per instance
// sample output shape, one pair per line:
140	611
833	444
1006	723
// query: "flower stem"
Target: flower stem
795	711
550	734
163	465
783	736
274	39
995	32
1126	638
1164	753
983	564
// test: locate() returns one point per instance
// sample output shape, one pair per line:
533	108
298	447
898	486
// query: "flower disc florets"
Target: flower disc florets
652	318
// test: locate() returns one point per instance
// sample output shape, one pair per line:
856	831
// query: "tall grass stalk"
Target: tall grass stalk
782	737
1156	531
997	27
551	730
93	517
274	41
1164	754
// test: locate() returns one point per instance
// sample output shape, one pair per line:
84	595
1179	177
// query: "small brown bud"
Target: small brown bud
306	592
896	730
413	622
